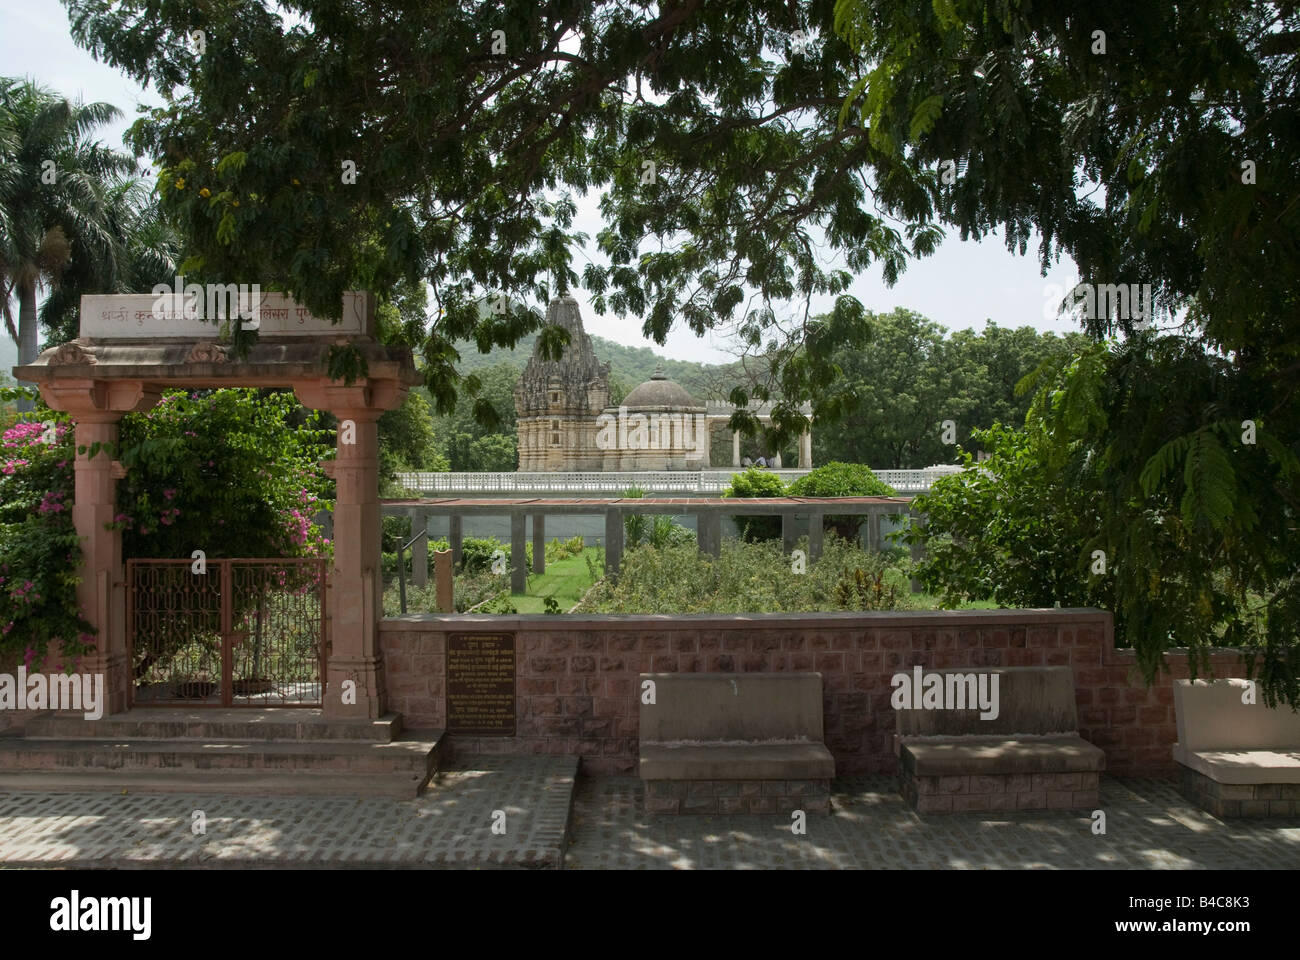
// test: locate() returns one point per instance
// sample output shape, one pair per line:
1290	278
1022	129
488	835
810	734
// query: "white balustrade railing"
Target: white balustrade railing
614	484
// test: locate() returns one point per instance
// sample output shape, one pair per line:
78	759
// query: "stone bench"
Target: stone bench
1236	759
1029	757
716	743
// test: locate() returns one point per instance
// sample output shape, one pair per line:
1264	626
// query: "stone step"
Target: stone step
157	723
407	763
401	786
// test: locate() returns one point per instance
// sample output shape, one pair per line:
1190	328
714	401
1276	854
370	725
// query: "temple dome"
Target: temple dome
660	393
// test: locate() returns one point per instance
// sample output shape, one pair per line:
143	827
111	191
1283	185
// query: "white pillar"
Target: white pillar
735	448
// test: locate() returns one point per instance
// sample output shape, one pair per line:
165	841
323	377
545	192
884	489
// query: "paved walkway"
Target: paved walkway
451	825
1149	826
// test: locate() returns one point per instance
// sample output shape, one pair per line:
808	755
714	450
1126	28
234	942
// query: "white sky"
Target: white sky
959	287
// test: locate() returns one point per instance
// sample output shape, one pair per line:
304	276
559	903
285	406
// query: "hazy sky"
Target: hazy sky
961	286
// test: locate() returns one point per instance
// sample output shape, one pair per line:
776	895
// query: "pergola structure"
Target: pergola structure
128	353
718	411
709	512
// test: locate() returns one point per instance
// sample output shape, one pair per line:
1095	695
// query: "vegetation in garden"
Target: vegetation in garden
39	548
570	570
750	578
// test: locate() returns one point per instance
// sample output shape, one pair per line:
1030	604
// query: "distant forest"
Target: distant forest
908	379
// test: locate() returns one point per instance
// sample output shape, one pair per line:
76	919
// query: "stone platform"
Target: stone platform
267	752
710	797
1000	792
1240	799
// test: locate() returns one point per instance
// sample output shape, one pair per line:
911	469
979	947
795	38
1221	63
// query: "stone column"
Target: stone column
735	448
354	675
917	551
776	457
805	450
96	407
709	532
815	522
454	537
518	555
613	540
420	549
539	543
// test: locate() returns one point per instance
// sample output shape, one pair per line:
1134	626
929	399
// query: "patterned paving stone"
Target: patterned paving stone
1148	826
450	826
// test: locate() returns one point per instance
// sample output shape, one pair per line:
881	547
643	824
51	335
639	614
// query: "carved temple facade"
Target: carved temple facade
565	421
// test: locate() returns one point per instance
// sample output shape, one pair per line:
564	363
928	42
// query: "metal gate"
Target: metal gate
240	633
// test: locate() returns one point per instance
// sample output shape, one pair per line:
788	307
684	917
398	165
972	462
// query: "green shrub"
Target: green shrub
837	479
756	482
746	578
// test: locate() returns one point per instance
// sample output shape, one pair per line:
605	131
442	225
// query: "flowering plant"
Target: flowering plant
39	549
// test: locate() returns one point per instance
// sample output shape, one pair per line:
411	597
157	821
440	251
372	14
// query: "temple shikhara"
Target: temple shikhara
566	422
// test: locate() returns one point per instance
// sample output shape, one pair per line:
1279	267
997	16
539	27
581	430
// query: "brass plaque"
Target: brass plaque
481	684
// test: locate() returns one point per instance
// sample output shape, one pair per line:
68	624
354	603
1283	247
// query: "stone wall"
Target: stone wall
576	676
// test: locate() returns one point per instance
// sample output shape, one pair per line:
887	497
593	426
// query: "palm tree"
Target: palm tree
54	184
146	252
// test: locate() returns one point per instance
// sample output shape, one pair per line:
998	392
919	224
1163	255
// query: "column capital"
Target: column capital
100	401
363	400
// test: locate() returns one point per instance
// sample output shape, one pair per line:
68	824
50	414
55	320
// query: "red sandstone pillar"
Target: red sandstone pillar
96	408
354	672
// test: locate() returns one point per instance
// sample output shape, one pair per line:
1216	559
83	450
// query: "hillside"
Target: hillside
632	365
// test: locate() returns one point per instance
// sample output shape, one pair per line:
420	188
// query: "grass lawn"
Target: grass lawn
565	580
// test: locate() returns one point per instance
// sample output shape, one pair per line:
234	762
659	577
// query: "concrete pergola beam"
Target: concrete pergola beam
708	512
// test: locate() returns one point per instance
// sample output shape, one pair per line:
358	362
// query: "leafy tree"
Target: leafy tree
1165	160
1003	357
1009	528
906	382
739	128
406	439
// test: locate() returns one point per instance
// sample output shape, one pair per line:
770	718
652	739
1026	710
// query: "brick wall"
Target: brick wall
576	681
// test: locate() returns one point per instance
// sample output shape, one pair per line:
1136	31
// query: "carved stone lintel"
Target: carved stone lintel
206	352
70	353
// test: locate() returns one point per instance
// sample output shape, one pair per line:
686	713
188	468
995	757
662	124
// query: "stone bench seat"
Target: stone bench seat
1243	766
721	743
1236	759
1028	756
1000	755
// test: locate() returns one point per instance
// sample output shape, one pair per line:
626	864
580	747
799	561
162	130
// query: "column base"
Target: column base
117	679
366	697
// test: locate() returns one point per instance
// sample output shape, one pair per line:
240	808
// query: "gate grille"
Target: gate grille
248	632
